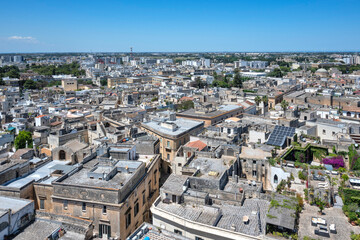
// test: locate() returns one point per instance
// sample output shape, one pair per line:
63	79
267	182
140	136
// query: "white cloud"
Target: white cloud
20	38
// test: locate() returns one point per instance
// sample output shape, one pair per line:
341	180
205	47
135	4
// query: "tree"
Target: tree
30	84
237	81
257	100
319	153
72	68
265	100
345	177
302	176
103	82
276	73
22	139
354	236
185	105
320	204
13	73
280	187
215	75
288	182
284	105
300	201
334	150
354	158
199	83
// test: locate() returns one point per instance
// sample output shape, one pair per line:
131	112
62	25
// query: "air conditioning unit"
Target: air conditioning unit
139	235
144	230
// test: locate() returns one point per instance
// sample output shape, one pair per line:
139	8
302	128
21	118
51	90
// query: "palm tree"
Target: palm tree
257	100
321	204
265	99
284	105
319	153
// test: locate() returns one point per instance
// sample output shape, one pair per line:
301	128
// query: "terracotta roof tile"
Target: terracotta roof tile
196	144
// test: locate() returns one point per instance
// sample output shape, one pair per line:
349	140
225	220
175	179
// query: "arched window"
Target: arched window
62	155
276	180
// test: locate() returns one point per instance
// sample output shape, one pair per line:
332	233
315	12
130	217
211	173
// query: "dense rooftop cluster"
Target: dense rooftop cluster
180	146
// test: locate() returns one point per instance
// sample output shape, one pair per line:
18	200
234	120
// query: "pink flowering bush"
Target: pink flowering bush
336	162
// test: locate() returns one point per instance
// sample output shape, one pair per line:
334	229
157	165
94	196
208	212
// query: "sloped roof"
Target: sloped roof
196	144
75	145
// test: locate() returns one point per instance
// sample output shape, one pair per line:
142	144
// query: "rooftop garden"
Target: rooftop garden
336	162
305	154
351	199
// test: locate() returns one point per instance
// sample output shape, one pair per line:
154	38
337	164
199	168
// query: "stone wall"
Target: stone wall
69	223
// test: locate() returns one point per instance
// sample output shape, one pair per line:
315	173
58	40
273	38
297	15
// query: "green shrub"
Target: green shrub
302	176
354	236
352	216
352	207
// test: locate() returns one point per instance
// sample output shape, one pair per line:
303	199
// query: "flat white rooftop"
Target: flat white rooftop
15	204
39	173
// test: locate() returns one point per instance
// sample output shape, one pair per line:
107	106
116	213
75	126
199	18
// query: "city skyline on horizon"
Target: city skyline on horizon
181	52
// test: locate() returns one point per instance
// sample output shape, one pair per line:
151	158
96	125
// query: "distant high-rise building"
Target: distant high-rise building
351	60
205	62
251	64
6	58
150	61
126	59
18	59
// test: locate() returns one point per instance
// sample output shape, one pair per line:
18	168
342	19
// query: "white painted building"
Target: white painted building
15	214
277	174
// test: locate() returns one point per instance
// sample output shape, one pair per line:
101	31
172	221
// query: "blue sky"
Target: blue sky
197	25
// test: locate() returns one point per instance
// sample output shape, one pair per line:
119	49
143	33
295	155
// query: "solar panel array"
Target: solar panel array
279	135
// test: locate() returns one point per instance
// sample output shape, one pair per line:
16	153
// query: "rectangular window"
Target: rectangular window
254	173
104	210
168	157
104	230
42	203
128	219
144	217
144	198
24	219
149	188
324	131
177	231
84	207
136	209
198	238
65	204
168	144
155	173
174	198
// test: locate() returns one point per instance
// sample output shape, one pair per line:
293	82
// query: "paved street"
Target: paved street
332	215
